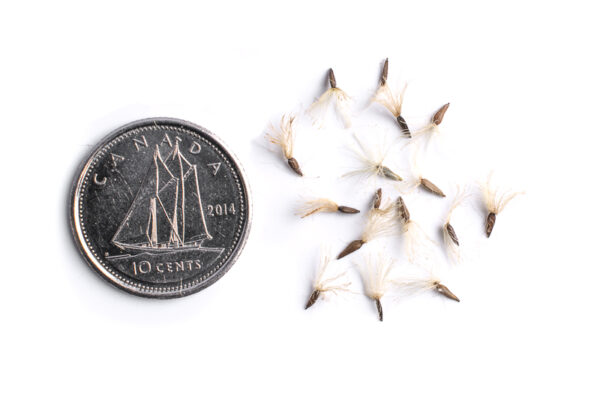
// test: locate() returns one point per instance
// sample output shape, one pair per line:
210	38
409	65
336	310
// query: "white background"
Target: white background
522	79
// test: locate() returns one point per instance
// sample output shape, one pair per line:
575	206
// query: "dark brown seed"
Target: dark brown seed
377	199
427	184
403	125
439	115
379	309
332	81
293	163
351	248
442	289
451	233
489	223
384	73
348	210
388	173
402	209
313	298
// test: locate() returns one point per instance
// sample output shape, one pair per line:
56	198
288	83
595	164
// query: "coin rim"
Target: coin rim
96	265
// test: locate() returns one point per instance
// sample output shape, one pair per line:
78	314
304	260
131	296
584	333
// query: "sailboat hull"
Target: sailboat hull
165	248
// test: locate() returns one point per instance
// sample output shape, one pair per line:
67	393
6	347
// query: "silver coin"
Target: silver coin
160	208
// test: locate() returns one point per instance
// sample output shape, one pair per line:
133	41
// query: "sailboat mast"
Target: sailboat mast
182	186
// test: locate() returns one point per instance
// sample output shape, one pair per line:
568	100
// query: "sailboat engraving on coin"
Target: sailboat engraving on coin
160	208
162	197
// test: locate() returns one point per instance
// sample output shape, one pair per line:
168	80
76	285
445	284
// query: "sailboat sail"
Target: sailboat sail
167	211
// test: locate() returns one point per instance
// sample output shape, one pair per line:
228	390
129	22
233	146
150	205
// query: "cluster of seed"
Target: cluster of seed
377	273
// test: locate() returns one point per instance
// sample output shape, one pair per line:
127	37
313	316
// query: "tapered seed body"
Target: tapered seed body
403	125
489	223
402	209
293	163
351	248
377	198
384	73
443	290
451	233
379	309
348	210
332	81
430	186
313	298
439	115
388	173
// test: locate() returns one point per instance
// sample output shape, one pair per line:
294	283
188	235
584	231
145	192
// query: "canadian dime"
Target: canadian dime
160	208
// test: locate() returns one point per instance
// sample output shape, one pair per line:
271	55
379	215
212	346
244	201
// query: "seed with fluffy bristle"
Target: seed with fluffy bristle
417	177
416	240
375	273
427	184
318	205
390	100
283	136
324	284
495	202
450	237
427	132
419	283
439	115
380	223
341	100
371	160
